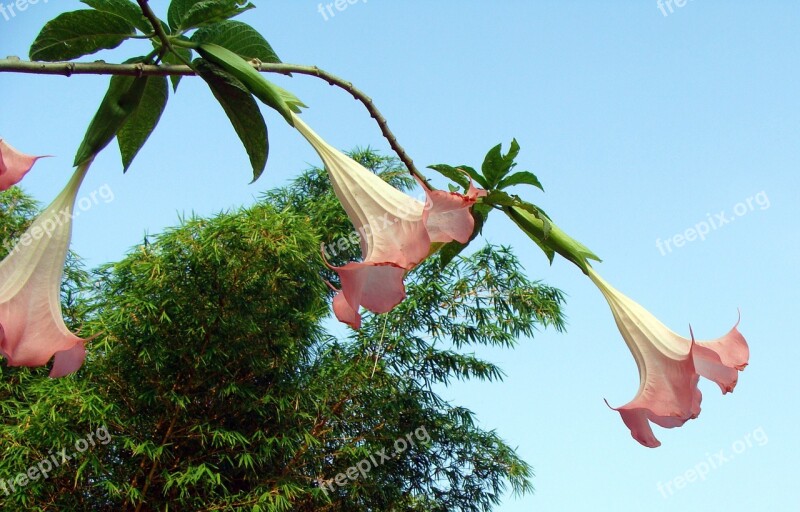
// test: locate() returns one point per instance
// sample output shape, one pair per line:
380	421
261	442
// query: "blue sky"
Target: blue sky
640	126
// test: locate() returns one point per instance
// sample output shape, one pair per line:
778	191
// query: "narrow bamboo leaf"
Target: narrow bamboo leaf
238	37
123	97
242	110
186	14
125	9
520	178
141	123
77	33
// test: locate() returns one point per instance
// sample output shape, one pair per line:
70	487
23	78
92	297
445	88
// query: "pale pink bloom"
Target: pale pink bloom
669	366
33	330
13	165
396	230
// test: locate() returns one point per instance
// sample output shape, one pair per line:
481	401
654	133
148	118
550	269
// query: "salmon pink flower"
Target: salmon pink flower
13	165
396	230
32	330
669	366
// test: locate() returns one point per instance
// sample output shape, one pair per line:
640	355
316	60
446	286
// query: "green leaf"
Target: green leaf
238	37
123	97
280	99
553	240
141	123
77	33
475	175
521	178
496	165
125	9
452	173
242	110
175	58
499	198
186	14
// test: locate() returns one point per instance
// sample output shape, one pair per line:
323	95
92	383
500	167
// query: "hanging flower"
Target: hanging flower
13	165
669	366
396	230
32	330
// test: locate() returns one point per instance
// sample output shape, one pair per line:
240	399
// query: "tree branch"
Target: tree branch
15	65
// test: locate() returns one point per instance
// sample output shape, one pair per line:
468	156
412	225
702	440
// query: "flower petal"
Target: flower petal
669	366
68	361
390	222
448	215
722	359
13	165
344	313
30	284
375	286
668	398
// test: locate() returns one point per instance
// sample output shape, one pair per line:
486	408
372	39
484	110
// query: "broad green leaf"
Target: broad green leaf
185	14
238	37
125	9
475	175
141	123
242	110
496	165
123	97
173	58
520	178
452	173
77	33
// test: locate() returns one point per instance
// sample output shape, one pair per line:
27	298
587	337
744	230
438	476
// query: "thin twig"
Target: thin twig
15	65
166	46
380	346
368	103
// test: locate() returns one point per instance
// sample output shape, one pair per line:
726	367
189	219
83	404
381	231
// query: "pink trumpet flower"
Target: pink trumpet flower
32	330
13	165
669	366
396	230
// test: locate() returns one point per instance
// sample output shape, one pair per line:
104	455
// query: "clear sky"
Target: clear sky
640	125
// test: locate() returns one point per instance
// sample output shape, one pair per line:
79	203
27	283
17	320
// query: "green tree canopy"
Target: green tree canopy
221	388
